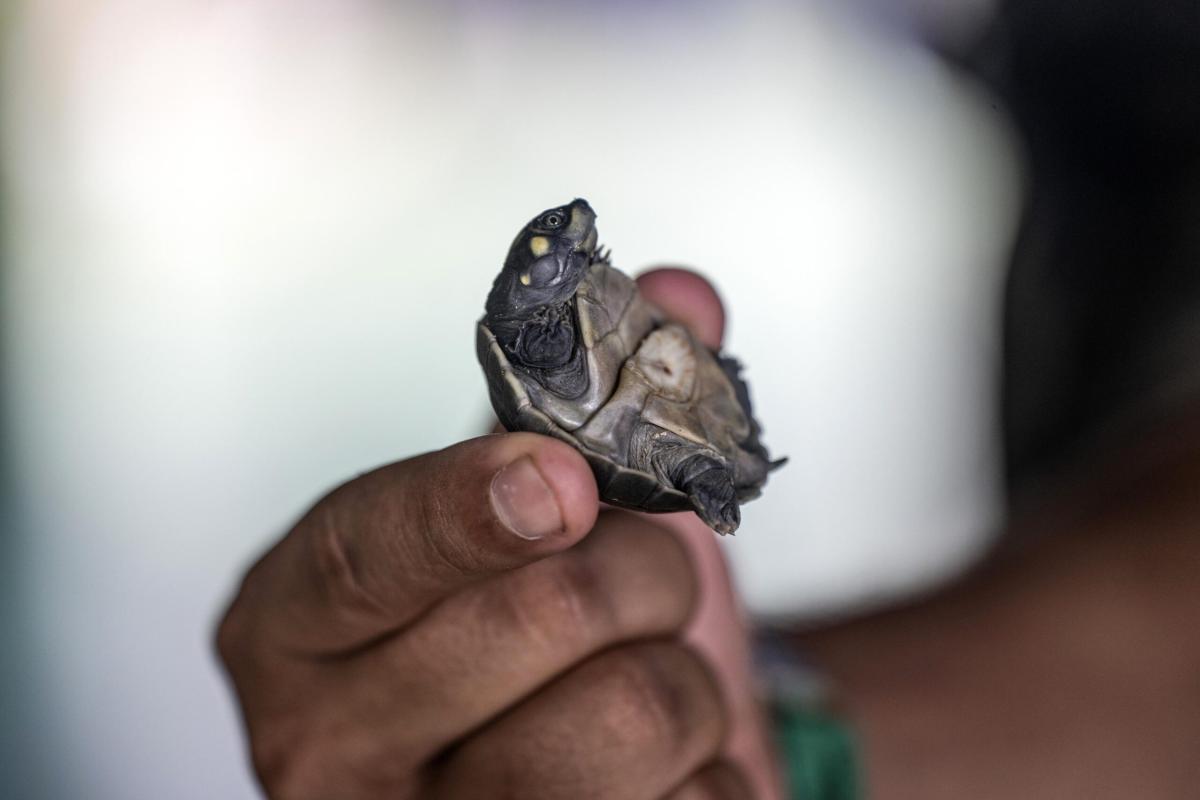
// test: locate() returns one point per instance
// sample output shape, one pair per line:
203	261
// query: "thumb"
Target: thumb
686	297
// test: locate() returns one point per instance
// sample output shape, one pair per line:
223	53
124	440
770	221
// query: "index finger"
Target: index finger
379	550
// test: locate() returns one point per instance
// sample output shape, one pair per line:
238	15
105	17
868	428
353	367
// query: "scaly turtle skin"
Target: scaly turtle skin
572	350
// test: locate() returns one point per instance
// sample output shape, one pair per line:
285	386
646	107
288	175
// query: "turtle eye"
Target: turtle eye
552	220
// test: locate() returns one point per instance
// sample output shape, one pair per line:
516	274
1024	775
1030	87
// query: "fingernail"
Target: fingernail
523	501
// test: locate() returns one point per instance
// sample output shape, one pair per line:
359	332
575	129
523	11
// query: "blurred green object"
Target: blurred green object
819	754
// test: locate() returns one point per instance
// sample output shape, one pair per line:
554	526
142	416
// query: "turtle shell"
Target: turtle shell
618	484
570	349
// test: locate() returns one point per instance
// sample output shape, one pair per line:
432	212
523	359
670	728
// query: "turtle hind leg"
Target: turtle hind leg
714	496
695	470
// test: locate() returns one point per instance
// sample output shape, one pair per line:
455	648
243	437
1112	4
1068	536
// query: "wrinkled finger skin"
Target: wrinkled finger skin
491	674
628	724
477	653
491	665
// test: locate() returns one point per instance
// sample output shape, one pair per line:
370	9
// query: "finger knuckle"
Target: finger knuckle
229	637
442	529
307	757
655	567
339	567
658	693
234	637
280	757
717	781
562	604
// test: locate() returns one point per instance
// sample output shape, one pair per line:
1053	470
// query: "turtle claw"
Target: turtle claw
728	520
715	499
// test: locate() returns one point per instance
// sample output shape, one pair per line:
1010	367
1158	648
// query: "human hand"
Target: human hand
468	623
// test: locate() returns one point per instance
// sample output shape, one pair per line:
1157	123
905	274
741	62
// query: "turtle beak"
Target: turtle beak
588	245
582	228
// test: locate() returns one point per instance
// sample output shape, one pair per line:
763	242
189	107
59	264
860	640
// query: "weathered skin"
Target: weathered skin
571	350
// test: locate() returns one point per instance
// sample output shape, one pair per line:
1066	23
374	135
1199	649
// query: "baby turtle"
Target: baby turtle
571	350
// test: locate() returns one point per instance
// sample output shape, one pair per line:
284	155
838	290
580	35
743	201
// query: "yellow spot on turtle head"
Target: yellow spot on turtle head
539	245
524	278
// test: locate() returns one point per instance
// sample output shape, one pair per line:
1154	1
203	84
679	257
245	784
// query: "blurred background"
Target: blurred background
245	245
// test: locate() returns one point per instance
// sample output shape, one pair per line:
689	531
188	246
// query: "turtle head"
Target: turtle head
546	261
